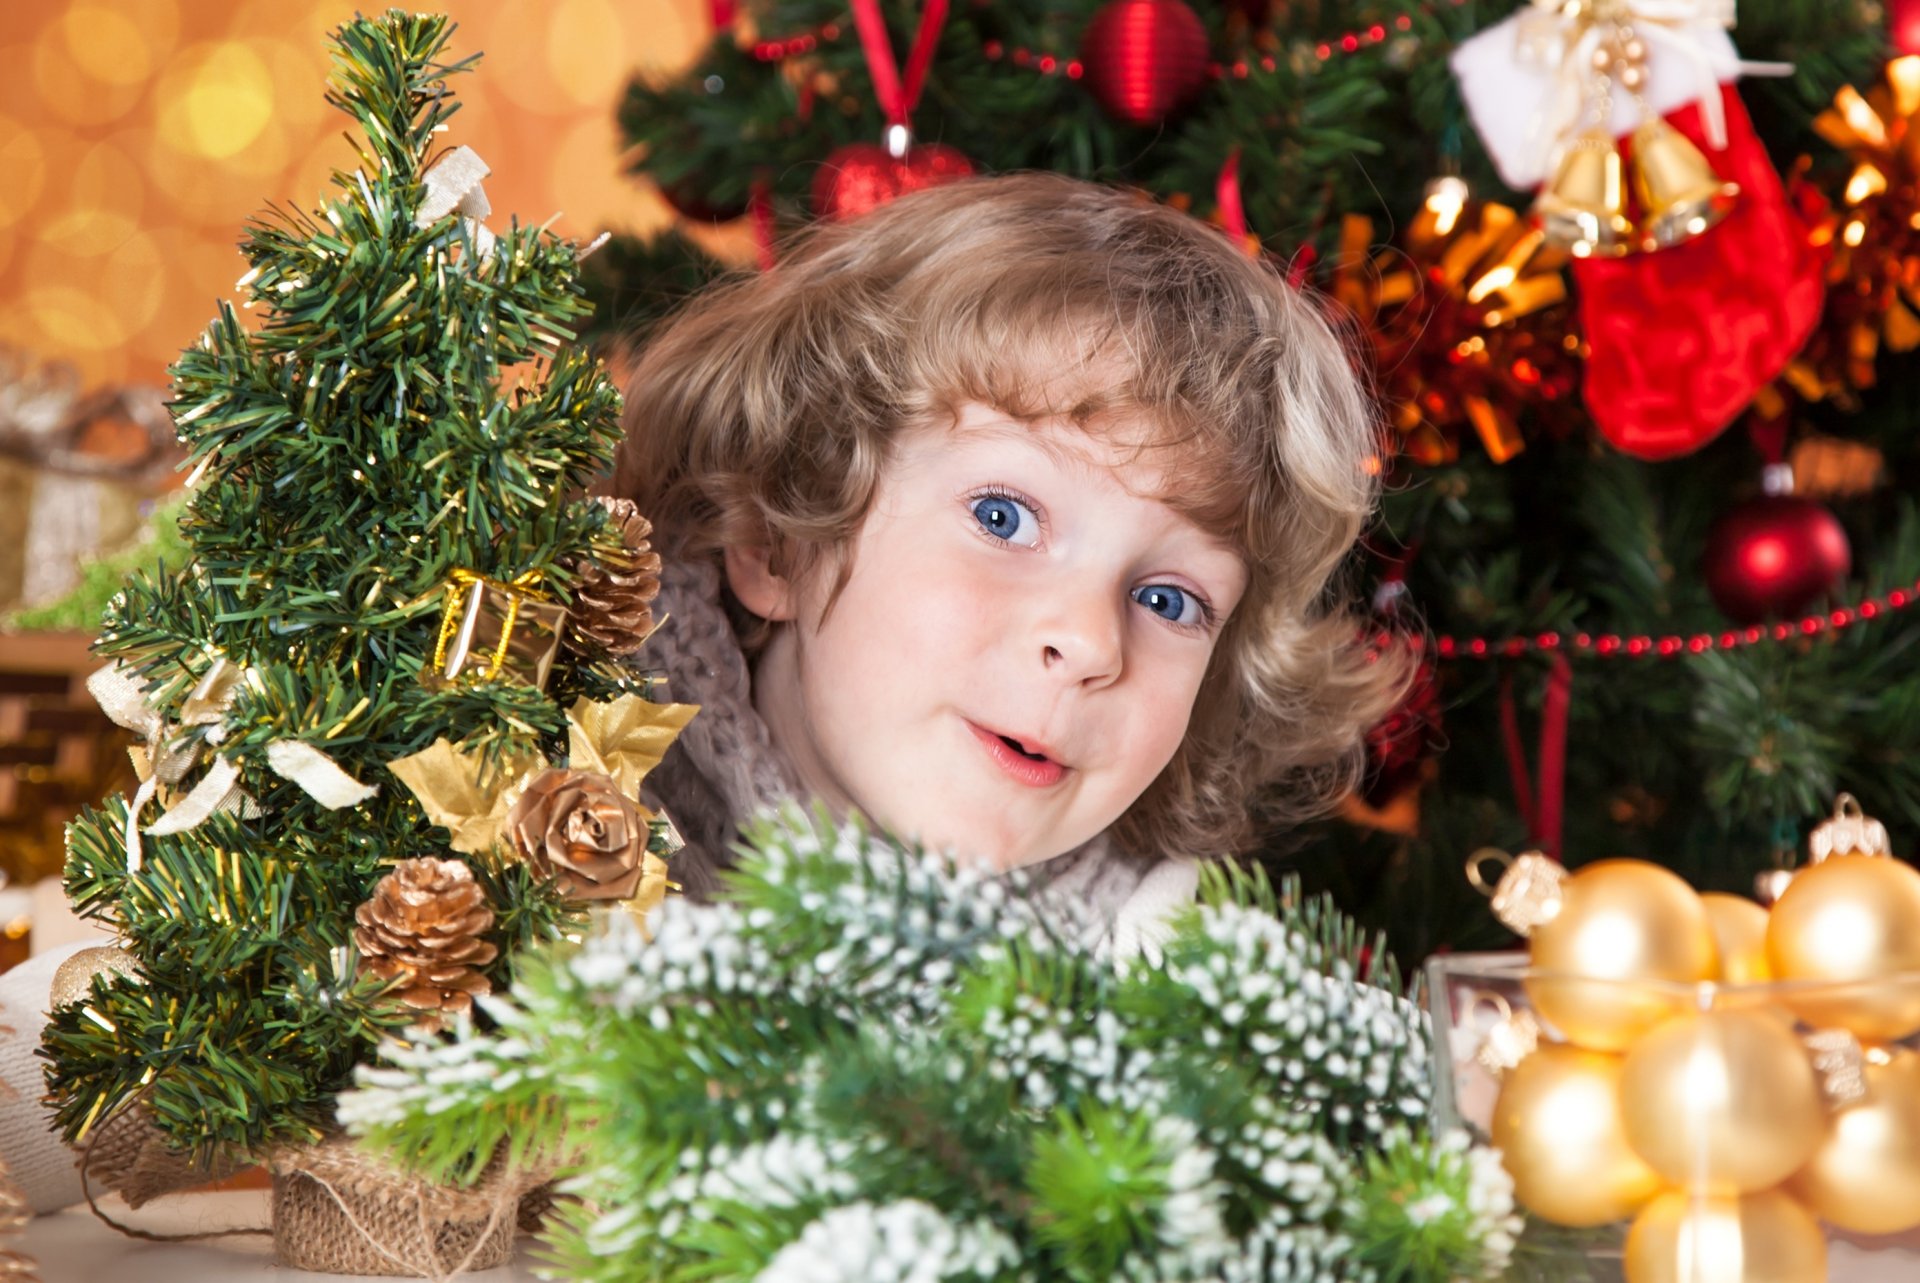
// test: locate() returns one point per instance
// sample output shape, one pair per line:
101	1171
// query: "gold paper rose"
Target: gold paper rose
580	829
615	743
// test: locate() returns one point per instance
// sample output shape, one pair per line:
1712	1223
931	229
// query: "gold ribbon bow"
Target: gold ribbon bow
171	752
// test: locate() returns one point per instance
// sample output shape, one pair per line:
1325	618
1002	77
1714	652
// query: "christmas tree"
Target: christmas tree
367	640
1631	644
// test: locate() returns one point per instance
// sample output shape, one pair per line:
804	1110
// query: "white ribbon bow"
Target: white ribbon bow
171	754
1560	37
453	185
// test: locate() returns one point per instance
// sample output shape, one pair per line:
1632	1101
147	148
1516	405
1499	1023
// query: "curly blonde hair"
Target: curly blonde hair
762	414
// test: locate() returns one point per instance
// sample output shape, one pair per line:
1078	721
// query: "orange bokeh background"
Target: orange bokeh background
138	136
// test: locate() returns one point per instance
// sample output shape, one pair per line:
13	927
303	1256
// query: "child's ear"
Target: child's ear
757	585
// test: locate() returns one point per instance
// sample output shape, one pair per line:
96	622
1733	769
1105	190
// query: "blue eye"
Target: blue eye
1172	604
1007	519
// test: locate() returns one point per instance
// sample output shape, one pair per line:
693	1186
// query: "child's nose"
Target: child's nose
1081	637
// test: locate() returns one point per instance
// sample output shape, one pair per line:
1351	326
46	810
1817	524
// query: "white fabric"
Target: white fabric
44	1167
217	790
1513	100
1144	920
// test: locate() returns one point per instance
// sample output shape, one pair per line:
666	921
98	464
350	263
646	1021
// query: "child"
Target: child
1007	515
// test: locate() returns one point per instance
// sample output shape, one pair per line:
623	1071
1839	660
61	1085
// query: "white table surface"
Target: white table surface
73	1247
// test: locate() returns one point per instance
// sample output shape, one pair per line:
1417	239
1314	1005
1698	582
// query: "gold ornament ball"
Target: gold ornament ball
1557	1126
73	980
1740	936
1757	1238
1619	921
1851	918
1728	1098
1865	1176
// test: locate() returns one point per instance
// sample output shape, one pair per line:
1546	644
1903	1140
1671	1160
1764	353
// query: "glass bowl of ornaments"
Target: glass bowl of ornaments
1693	1088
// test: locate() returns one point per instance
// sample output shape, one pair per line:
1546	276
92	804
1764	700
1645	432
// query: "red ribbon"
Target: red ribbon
1543	813
1769	437
1226	194
1300	266
898	97
721	11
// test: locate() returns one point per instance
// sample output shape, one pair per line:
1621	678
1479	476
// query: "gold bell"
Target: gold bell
1583	210
1680	195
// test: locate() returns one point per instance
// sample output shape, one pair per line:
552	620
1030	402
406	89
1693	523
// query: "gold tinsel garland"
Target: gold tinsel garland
1873	277
1468	322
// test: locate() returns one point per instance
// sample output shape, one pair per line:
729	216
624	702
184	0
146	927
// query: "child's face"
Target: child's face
1010	580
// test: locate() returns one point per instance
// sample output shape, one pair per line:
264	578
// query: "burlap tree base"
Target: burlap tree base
337	1211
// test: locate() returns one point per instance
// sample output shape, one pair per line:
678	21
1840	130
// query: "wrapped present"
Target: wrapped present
493	629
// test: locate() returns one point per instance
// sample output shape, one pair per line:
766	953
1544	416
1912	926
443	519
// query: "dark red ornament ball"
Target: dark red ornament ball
1772	557
864	176
1145	58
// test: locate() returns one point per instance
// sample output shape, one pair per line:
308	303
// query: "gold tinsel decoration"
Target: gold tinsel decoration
422	929
1468	321
1873	277
612	599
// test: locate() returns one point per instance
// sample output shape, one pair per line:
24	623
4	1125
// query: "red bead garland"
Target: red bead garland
1048	64
1613	646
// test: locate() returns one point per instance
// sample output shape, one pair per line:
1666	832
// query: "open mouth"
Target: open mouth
1029	766
1021	749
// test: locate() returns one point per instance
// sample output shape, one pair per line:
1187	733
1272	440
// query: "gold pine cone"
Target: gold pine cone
422	929
612	598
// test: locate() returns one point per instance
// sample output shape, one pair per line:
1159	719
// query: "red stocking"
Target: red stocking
1681	339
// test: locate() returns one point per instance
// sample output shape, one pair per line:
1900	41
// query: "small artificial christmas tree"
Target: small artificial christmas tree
384	534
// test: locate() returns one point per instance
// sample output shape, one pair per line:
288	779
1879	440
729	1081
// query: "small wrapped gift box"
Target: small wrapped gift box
493	630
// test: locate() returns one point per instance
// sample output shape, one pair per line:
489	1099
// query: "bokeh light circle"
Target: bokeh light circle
23	160
68	92
119	45
105	201
215	99
586	62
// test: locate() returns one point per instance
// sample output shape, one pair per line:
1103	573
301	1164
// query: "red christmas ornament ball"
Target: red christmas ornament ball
1774	556
864	176
1145	58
